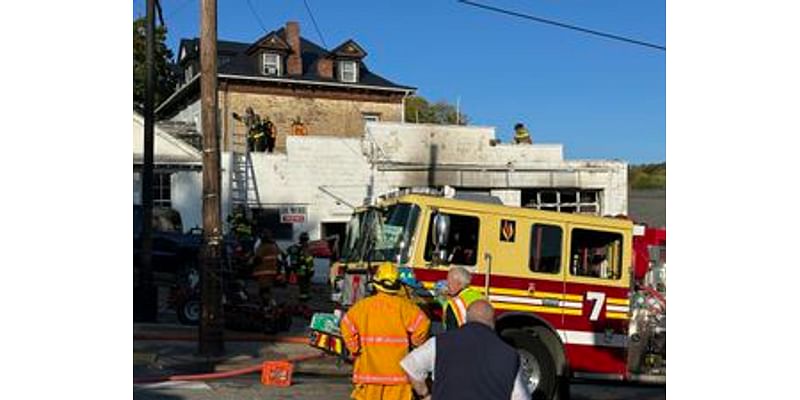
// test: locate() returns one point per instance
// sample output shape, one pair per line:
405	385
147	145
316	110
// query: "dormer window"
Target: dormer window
348	71
188	73
272	64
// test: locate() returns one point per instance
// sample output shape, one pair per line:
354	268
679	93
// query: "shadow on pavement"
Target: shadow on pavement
153	394
617	391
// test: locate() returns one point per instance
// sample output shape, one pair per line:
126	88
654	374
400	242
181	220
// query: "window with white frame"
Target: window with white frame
188	73
582	201
162	196
370	117
348	71
272	64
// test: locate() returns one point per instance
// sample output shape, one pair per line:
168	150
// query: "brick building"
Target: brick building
283	76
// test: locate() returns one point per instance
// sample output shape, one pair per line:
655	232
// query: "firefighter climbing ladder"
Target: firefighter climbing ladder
242	179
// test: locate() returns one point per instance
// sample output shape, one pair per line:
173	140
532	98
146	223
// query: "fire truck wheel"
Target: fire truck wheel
189	311
537	362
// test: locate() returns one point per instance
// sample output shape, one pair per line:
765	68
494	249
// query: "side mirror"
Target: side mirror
439	234
441	229
401	249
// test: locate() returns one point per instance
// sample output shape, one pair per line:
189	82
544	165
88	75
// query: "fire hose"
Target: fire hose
221	375
233	338
225	374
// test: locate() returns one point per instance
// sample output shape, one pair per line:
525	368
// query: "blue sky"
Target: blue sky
598	97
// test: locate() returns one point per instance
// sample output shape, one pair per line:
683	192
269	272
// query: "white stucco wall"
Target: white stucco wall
321	173
453	145
317	168
186	189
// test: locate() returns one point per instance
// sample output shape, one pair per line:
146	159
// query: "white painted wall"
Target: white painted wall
186	192
311	167
316	164
454	145
509	197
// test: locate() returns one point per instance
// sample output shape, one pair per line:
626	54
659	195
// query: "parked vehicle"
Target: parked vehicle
568	291
174	251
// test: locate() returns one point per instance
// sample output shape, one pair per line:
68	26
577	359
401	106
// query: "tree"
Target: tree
419	110
648	176
165	78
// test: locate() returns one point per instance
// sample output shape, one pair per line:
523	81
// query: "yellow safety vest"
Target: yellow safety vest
459	305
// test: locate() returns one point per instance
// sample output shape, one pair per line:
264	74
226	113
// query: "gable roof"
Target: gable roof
241	61
166	148
271	40
349	49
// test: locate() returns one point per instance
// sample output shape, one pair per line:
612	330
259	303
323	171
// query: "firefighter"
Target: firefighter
271	135
251	121
239	225
258	135
378	331
265	264
521	134
301	264
459	296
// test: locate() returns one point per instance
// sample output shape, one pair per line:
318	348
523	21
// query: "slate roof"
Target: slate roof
244	64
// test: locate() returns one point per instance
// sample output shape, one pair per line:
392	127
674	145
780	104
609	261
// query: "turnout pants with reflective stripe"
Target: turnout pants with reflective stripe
370	391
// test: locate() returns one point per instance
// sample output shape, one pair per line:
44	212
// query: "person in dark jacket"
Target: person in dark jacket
265	264
471	362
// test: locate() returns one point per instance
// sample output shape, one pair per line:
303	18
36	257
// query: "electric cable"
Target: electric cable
314	20
255	14
564	25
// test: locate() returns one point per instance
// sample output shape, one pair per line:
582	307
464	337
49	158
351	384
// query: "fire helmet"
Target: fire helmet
386	278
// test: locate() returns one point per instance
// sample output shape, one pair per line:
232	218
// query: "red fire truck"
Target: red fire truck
579	296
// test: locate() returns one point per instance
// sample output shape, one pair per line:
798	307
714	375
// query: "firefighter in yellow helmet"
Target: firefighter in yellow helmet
521	134
378	331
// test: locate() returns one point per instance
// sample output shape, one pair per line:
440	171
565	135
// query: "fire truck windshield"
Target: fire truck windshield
352	236
390	235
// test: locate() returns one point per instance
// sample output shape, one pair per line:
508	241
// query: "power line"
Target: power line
563	25
315	24
160	13
255	14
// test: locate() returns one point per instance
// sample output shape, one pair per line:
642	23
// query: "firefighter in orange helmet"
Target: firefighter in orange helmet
378	331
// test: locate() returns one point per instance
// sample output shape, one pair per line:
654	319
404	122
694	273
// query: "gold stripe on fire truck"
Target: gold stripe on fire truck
620	302
523	293
541	295
538	309
616	315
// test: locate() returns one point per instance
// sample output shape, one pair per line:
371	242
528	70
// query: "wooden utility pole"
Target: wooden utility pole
145	303
211	323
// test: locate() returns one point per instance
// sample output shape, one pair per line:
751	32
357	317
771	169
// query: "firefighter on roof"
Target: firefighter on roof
521	134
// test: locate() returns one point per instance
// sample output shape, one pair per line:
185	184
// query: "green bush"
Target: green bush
648	176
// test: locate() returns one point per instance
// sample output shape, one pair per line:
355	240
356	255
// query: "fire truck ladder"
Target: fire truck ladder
243	187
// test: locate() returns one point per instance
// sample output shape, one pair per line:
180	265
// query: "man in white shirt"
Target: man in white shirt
471	362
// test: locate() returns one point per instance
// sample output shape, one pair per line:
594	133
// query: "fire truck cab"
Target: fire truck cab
562	285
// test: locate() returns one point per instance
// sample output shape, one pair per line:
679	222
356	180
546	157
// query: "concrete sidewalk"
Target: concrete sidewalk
177	357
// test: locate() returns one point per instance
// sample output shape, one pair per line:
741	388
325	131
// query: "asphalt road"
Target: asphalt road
307	386
317	385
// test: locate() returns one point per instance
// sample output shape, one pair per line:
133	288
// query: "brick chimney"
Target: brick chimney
325	67
294	63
